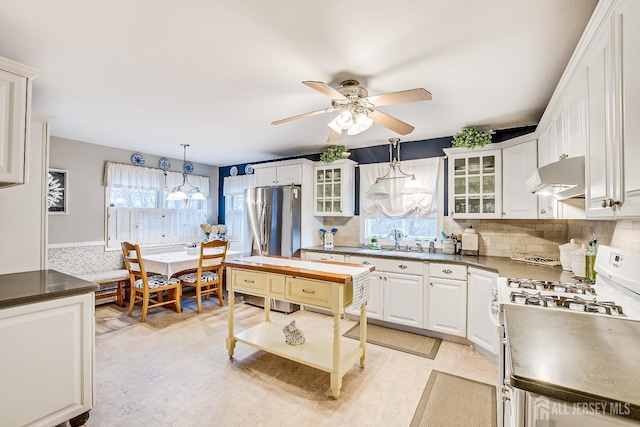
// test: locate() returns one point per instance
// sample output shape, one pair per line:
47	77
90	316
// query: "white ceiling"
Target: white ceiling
147	75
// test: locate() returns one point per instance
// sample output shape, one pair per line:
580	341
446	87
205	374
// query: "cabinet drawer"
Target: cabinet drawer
448	271
391	265
323	256
310	292
249	281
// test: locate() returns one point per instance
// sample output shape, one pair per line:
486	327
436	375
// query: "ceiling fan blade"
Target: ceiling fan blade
325	89
403	96
334	137
302	116
392	123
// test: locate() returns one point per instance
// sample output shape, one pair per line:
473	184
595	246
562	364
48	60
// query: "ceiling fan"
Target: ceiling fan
358	109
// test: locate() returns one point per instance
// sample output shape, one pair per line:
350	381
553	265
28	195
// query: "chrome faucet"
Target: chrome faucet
397	235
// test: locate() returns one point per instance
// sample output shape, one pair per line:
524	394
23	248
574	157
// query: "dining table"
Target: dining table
169	264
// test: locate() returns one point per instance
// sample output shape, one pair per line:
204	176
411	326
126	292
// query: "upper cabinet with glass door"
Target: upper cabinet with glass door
334	188
475	183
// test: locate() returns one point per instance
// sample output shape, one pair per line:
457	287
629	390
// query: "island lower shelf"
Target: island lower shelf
317	351
301	282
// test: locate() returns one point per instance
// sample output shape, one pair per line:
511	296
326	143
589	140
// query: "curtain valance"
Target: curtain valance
129	176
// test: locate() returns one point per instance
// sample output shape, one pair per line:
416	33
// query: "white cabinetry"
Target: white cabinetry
519	161
612	70
15	110
480	328
24	243
284	174
627	19
475	183
47	370
447	299
600	129
403	299
397	290
323	256
334	188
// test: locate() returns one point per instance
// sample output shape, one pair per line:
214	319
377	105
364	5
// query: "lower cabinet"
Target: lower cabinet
375	305
403	299
47	361
481	330
447	299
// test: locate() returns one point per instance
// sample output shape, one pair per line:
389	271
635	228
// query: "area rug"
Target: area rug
452	401
398	340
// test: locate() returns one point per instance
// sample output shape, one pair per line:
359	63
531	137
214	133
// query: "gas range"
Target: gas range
616	291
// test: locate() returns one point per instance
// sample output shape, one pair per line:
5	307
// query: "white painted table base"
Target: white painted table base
331	355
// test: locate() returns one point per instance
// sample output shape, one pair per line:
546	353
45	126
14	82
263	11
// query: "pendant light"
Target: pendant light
179	193
413	186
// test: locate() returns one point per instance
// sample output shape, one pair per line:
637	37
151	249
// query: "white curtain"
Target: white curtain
129	176
398	205
234	185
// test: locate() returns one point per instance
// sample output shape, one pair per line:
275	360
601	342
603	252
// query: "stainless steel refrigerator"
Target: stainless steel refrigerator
273	214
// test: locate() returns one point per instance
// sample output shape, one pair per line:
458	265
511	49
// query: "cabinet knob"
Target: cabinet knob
431	283
402	267
447	271
543	211
609	203
308	292
366	263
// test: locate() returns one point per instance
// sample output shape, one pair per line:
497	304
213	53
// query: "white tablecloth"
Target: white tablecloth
171	263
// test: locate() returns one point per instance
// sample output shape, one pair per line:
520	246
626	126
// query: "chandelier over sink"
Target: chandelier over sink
413	186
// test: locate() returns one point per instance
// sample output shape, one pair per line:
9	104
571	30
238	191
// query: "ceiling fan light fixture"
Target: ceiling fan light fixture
362	123
345	120
334	126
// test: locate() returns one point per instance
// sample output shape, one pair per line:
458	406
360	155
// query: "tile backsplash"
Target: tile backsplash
503	237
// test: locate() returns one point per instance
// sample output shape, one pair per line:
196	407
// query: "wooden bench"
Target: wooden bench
119	277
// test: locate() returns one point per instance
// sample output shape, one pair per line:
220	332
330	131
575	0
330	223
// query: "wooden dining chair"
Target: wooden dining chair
143	286
208	278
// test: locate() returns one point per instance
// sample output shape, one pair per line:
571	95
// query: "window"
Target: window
414	215
139	214
234	210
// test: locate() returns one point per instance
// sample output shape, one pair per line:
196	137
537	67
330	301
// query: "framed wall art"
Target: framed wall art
57	191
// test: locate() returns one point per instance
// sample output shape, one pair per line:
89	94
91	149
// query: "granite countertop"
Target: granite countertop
505	267
40	285
586	358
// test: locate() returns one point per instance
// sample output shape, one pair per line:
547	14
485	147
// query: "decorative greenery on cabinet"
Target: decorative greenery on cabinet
472	138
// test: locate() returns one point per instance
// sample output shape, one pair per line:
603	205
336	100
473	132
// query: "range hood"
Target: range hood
563	179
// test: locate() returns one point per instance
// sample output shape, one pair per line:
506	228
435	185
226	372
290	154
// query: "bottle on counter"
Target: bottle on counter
590	260
459	244
432	246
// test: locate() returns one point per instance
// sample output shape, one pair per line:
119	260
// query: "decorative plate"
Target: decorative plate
137	159
164	164
248	169
188	167
234	171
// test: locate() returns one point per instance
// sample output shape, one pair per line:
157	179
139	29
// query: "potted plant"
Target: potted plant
334	152
374	243
472	138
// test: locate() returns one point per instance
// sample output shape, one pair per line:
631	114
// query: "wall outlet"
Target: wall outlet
486	240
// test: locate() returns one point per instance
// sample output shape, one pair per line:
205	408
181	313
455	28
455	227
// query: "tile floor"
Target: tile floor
173	370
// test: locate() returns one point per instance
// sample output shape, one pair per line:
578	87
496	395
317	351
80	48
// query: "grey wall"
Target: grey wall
85	162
